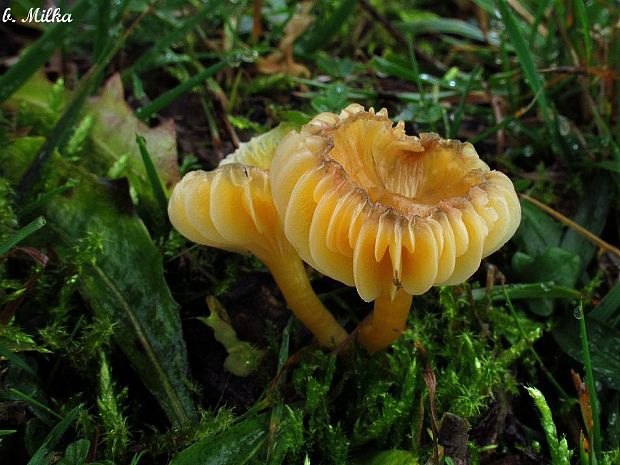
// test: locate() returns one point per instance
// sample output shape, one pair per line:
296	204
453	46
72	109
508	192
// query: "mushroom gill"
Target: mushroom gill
391	214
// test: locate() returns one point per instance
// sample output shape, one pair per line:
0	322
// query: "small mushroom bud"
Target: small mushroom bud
231	208
388	213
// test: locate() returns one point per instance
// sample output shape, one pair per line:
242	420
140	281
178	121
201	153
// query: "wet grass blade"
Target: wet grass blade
151	172
102	32
40	456
595	434
492	130
443	26
16	360
607	309
327	28
39	52
546	290
526	61
22	234
165	99
175	35
44	198
34	402
582	19
531	348
458	113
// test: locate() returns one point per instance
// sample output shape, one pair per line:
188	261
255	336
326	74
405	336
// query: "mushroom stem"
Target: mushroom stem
386	323
293	281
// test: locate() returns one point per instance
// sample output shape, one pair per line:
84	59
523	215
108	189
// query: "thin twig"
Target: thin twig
571	224
257	25
527	16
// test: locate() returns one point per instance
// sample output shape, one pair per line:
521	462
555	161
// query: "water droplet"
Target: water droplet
452	83
578	312
563	126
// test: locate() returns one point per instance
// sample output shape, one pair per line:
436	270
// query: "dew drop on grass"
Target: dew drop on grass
578	312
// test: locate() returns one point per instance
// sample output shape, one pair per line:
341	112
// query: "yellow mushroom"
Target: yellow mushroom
391	214
231	208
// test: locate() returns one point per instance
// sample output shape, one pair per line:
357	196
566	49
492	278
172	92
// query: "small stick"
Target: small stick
571	224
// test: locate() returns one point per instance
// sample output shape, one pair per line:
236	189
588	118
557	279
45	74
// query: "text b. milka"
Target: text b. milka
39	15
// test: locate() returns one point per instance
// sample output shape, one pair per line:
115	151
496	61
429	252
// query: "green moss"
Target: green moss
375	401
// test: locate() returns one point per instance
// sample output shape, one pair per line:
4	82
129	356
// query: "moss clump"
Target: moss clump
382	401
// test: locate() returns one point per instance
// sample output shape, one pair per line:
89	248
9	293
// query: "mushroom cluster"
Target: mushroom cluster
362	202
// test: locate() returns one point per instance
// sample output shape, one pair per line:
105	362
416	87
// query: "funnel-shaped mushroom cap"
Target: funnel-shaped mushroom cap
231	207
368	205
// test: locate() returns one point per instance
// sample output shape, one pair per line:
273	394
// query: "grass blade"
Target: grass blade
40	456
175	35
327	28
16	360
151	172
582	18
595	434
103	28
458	113
547	290
40	52
531	348
46	197
526	61
607	310
165	99
34	402
22	234
443	26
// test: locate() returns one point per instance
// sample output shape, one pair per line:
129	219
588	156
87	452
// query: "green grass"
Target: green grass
104	358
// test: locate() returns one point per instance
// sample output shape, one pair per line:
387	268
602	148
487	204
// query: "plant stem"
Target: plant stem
595	437
546	372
